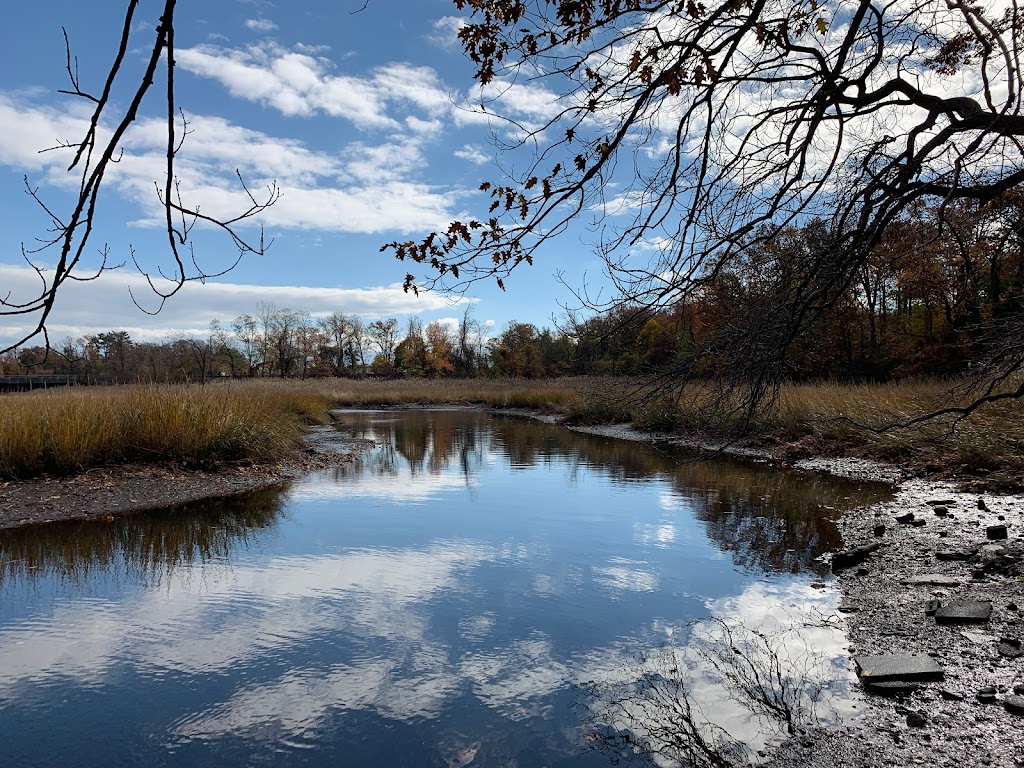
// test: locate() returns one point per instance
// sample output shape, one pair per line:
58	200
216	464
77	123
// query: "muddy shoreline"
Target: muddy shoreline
964	719
104	493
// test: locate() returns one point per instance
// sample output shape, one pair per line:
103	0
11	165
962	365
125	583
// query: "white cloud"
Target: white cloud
368	188
105	304
298	83
260	25
445	31
473	154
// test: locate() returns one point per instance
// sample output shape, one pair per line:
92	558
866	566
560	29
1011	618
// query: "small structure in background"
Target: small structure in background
26	383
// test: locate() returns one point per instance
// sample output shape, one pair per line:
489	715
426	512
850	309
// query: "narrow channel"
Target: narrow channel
474	591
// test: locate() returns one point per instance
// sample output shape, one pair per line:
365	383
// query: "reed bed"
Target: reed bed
64	431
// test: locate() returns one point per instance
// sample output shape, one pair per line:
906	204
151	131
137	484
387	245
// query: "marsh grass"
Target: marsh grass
865	419
64	431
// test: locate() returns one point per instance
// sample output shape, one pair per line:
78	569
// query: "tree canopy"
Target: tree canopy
703	135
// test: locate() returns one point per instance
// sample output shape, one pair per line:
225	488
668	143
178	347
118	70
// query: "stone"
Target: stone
964	612
941	503
906	518
879	530
986	695
931	607
943	534
981	504
978	638
916	667
916	719
917	523
940	511
1019	689
954	554
950	695
996	531
933	579
1010	648
855	556
862	571
891	687
1014	705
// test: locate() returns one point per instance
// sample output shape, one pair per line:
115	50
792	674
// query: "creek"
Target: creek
474	590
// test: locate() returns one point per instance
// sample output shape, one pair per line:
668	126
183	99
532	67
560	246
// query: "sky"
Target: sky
365	119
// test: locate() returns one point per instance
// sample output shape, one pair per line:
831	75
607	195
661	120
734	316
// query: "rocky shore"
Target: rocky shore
932	591
940	600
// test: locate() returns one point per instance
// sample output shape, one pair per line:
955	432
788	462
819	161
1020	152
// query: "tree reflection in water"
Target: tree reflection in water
766	518
709	704
147	547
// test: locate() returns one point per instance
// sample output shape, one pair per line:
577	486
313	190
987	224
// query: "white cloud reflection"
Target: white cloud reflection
377	601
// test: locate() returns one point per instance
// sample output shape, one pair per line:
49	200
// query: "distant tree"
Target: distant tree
247	334
438	355
383	335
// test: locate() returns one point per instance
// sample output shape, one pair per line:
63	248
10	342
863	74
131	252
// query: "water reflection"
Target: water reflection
743	681
149	547
439	603
765	518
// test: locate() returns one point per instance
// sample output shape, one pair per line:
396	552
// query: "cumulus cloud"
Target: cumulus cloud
473	154
298	83
260	25
368	189
445	31
105	304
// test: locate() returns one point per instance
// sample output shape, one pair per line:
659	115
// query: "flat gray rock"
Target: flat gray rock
964	612
934	580
954	554
1014	704
898	667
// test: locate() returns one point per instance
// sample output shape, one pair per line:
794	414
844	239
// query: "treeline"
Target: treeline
287	343
930	300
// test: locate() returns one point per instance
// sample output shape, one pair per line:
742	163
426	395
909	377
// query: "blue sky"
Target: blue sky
363	120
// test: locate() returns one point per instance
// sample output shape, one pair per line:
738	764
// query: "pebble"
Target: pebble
916	719
1014	705
986	695
996	531
906	518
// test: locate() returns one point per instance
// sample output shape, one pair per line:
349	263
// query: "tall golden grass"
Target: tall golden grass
63	431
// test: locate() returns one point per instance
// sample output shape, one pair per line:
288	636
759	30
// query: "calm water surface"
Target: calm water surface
474	591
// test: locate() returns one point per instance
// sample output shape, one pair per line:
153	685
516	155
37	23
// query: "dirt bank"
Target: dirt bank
106	492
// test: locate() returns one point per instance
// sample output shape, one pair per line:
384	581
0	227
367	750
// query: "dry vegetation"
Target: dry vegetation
64	431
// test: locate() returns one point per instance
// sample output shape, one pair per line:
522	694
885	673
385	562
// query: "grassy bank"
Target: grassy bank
63	431
830	418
